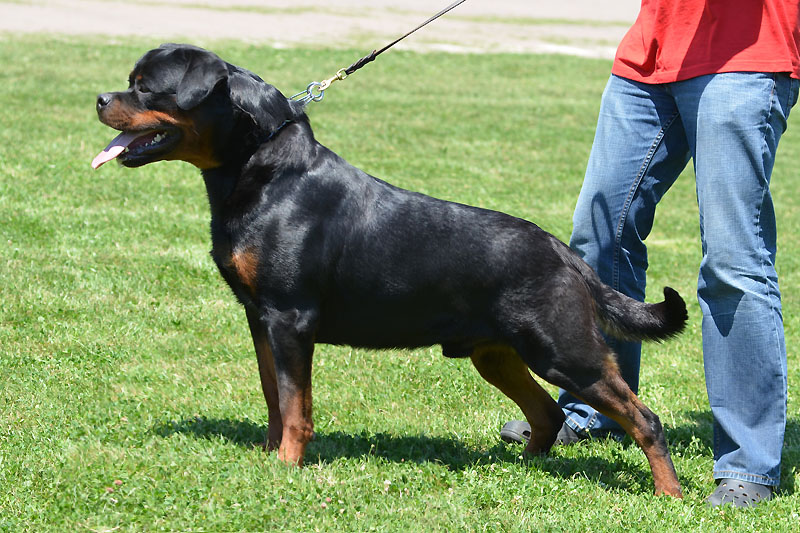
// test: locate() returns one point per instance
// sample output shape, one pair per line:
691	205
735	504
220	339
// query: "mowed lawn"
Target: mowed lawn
129	393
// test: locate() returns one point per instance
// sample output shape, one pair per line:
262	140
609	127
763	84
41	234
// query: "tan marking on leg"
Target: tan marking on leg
298	428
502	367
611	396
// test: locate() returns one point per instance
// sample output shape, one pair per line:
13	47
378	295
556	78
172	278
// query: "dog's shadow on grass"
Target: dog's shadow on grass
453	454
695	438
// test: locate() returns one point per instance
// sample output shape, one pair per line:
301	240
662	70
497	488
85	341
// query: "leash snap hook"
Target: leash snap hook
315	91
340	75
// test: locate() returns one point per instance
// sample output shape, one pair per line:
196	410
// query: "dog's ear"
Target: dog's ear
204	71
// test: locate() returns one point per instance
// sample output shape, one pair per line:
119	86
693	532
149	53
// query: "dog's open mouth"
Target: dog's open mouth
135	148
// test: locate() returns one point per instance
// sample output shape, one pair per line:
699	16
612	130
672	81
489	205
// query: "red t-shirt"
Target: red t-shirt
674	40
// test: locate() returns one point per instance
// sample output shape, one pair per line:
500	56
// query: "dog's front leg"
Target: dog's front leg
290	337
269	382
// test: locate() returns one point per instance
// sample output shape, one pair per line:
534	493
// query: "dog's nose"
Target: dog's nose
103	101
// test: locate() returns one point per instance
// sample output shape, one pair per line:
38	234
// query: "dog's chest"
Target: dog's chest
238	263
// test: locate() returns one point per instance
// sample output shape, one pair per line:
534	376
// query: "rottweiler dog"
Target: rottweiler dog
318	251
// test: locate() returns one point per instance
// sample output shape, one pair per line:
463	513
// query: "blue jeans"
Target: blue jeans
729	125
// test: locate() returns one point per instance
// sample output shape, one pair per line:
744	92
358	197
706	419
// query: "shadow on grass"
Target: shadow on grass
450	453
456	456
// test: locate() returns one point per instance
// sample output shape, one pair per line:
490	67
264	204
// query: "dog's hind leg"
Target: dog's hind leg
503	368
611	396
589	370
269	382
561	343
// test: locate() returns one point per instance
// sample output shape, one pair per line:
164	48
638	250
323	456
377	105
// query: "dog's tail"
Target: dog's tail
625	318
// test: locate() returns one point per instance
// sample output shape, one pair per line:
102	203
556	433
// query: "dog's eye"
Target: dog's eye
139	84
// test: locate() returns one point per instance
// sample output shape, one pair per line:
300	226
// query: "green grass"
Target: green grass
129	396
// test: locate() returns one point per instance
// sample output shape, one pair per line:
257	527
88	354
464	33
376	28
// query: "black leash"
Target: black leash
316	89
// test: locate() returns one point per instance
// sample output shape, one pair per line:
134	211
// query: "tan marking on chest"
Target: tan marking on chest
245	264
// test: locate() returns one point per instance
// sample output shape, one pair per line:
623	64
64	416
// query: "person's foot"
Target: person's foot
567	435
518	431
739	493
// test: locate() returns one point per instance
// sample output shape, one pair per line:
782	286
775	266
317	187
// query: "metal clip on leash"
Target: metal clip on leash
315	91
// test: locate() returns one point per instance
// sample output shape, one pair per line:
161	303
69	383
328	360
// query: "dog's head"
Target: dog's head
183	103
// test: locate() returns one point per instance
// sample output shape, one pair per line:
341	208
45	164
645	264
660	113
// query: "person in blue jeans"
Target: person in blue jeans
725	108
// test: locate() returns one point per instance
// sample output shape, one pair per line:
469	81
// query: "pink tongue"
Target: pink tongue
114	148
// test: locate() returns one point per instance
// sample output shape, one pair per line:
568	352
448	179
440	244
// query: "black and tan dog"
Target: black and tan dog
318	251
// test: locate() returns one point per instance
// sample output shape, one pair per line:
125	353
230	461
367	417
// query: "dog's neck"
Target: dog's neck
238	182
278	131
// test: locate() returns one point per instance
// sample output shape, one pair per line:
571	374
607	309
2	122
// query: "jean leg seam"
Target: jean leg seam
765	148
629	200
773	296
